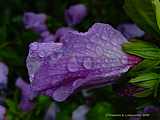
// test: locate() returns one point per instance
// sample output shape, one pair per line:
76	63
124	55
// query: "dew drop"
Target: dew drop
87	63
89	46
34	46
99	50
104	37
106	60
42	54
73	65
93	38
124	60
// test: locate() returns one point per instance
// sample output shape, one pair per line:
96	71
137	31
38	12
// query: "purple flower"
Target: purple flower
82	59
3	74
51	112
2	112
26	105
61	32
36	22
27	95
80	113
75	14
130	30
46	36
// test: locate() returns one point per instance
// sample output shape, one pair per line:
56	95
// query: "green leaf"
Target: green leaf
12	105
144	12
42	103
66	110
144	93
142	49
100	112
10	56
147	84
148	81
157	6
145	77
143	67
3	34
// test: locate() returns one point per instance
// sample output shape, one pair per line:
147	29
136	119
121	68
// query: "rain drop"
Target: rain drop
87	63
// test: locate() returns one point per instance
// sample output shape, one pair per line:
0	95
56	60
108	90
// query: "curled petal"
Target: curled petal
82	59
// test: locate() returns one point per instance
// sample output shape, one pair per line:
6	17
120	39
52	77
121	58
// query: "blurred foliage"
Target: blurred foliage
14	113
148	81
100	111
66	110
144	13
157	7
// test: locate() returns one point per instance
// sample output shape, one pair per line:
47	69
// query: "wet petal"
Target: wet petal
82	59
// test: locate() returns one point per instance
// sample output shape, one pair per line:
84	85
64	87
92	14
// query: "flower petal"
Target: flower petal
81	59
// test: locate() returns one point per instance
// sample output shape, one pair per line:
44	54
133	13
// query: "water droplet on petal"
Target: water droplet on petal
124	60
87	63
93	38
104	37
106	60
89	46
34	46
73	65
42	54
99	50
